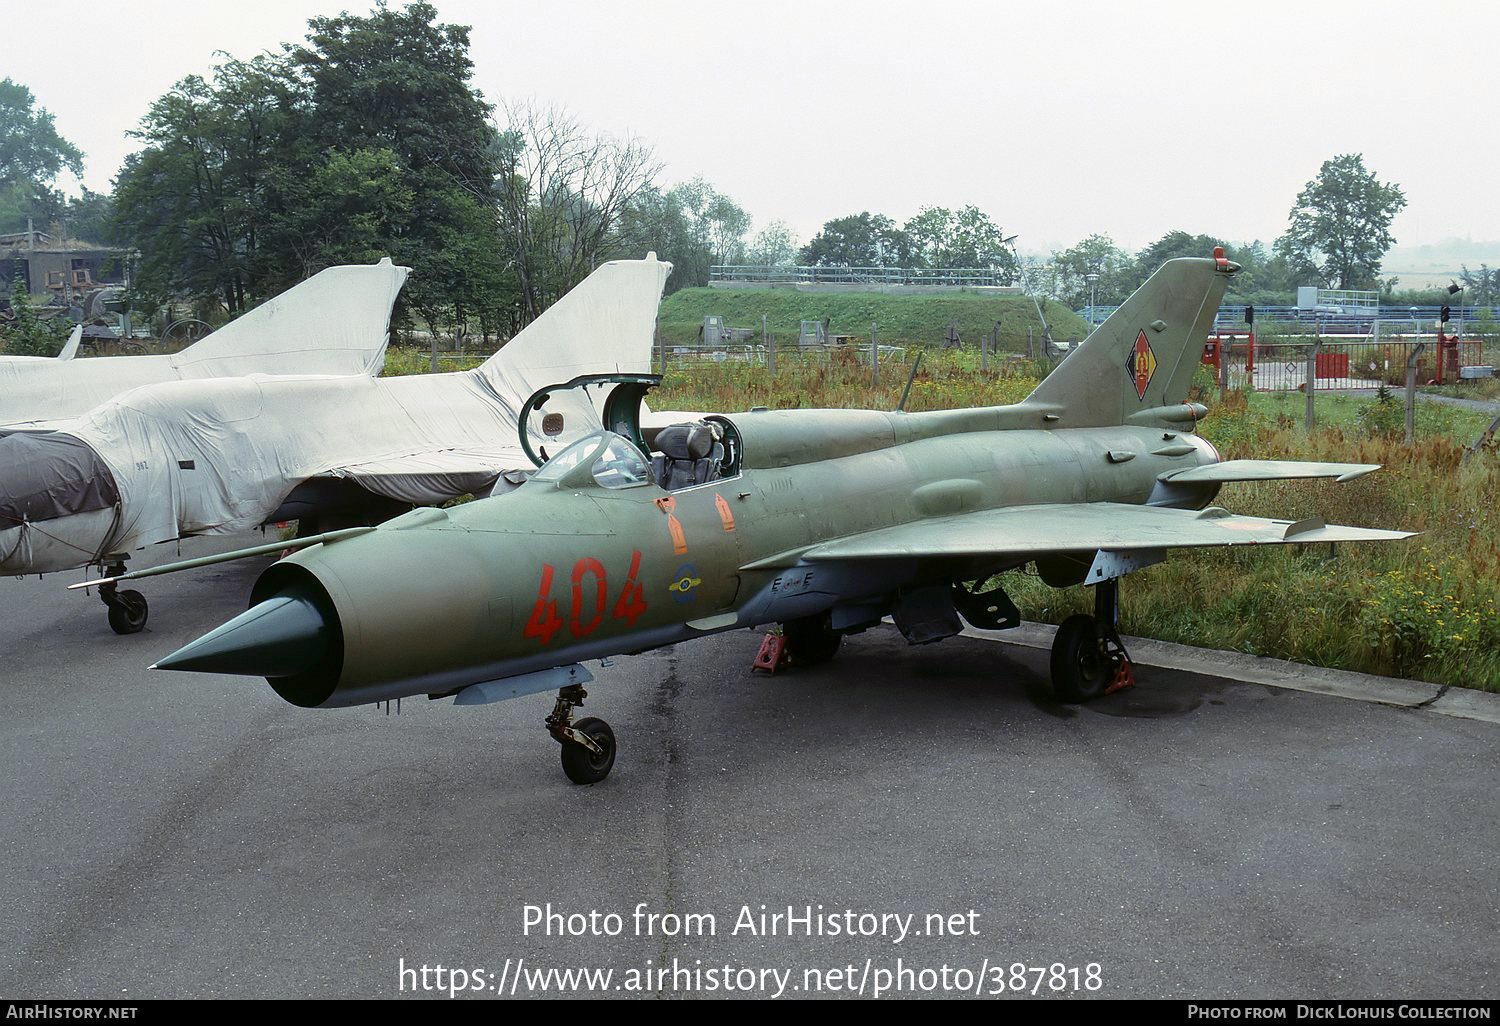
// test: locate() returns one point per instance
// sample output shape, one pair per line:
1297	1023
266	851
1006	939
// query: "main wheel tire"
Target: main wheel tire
811	639
583	766
1081	668
127	614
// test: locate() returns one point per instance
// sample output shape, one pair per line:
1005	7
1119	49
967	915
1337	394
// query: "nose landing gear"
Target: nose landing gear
588	746
127	609
1088	658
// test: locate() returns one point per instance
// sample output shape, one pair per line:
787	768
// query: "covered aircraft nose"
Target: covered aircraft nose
284	636
57	502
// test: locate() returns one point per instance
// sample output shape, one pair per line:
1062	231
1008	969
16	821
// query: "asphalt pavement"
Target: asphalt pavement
185	835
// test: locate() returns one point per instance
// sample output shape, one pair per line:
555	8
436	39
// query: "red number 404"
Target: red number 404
588	603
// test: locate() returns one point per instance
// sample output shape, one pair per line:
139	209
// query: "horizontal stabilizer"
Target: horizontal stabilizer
1268	470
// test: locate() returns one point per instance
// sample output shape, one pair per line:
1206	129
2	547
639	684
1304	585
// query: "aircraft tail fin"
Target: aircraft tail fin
70	347
336	322
606	324
1143	356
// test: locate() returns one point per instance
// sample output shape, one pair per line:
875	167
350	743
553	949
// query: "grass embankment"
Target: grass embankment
1424	608
903	320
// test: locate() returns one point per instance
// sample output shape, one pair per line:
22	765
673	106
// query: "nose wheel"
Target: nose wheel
588	746
1088	658
127	609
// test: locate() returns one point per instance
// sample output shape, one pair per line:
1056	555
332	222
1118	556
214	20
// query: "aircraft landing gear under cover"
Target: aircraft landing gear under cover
811	639
588	746
1088	658
127	609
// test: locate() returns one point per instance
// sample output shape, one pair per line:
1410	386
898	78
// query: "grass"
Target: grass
1423	608
903	320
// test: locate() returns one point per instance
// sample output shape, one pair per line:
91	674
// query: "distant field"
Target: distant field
903	319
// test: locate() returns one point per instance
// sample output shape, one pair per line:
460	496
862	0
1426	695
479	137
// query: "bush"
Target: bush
28	334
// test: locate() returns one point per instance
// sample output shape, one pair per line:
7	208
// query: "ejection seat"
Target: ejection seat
689	454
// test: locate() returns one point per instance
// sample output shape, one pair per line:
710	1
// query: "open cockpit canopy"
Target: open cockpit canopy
561	418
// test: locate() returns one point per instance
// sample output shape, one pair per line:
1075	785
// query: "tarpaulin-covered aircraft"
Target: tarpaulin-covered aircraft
183	458
335	322
825	521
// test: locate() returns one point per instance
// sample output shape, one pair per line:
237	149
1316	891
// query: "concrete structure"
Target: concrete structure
60	266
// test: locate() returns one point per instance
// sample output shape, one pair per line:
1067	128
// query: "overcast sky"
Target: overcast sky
1057	118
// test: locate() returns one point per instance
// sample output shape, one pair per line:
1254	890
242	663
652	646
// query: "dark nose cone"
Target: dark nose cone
283	636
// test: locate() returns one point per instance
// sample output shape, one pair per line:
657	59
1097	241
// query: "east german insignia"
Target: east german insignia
1141	365
687	580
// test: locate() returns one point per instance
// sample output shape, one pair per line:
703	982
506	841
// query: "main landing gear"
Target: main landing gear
127	609
588	746
1088	658
811	639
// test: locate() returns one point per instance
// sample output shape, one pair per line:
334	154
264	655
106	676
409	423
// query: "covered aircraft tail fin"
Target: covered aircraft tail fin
70	347
336	322
606	324
1144	355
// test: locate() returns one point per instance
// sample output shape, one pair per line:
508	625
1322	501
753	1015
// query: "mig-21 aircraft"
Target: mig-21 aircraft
825	521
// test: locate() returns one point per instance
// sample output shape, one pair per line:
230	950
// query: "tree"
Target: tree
198	197
31	151
772	245
1065	276
366	141
859	240
655	222
32	155
398	80
968	238
1483	285
560	195
1176	244
1339	228
28	334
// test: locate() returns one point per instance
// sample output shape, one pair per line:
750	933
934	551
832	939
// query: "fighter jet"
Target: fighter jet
69	350
216	456
335	322
825	521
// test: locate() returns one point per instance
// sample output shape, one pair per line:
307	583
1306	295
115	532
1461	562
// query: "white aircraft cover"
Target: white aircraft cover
221	455
336	322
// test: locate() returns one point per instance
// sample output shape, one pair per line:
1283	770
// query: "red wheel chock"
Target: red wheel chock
1124	676
772	654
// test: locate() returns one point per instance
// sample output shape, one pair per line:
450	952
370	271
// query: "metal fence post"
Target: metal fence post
984	354
1411	392
1223	352
765	338
662	345
1030	354
1310	384
874	355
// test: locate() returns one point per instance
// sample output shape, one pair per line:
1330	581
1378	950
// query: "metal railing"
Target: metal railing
1394	317
800	273
1280	364
753	354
